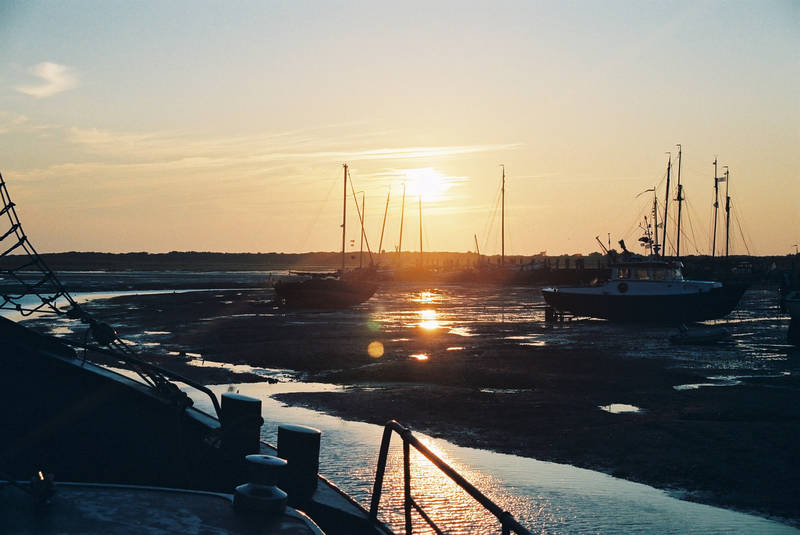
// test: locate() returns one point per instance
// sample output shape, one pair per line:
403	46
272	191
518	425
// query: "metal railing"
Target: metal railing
507	521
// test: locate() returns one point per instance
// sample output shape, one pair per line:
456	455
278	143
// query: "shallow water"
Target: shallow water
545	497
548	498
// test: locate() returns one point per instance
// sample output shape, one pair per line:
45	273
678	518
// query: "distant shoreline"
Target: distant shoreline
212	261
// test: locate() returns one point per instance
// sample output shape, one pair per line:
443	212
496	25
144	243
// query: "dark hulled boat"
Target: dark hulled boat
330	290
324	292
647	290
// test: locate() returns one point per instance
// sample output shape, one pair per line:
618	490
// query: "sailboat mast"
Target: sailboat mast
477	249
716	208
727	210
402	215
383	227
666	208
680	206
420	230
503	219
361	250
344	215
656	248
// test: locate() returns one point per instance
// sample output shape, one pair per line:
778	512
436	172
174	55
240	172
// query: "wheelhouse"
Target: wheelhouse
648	271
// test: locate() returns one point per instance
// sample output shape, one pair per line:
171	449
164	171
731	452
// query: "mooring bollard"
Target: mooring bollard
261	493
241	425
299	445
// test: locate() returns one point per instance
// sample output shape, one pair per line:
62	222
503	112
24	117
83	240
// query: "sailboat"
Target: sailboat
330	290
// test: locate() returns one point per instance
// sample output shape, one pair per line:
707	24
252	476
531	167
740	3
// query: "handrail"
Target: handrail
130	359
506	519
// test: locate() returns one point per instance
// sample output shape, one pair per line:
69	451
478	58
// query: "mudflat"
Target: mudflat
732	442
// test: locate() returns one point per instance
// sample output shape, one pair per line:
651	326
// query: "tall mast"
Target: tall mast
727	210
716	208
383	227
477	249
344	214
656	247
420	230
402	215
503	219
361	250
680	205
666	208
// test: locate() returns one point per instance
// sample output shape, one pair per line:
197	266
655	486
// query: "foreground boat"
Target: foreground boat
648	290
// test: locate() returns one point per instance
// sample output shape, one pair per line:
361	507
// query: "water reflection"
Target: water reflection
429	320
545	497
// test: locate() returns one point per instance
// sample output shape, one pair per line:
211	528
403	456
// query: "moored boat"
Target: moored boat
330	290
649	290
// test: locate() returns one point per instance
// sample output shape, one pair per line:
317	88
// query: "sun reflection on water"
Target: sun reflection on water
429	319
450	507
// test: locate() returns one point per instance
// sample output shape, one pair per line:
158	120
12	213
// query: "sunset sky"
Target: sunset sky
223	126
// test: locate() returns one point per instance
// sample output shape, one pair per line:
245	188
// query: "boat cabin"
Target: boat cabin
648	271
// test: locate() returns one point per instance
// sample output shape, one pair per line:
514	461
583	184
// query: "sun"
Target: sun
427	183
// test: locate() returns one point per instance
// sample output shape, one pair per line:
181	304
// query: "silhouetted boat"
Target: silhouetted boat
646	290
330	290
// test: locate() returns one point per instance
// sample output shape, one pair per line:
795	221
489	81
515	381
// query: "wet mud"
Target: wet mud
505	381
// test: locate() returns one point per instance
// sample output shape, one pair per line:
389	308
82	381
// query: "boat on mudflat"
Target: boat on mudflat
330	290
647	290
324	292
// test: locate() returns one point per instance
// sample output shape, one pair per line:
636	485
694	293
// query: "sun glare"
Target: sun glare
429	320
426	182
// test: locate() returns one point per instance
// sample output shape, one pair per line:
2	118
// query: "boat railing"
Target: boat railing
138	365
506	519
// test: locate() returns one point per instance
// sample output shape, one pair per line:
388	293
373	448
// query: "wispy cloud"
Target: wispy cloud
55	79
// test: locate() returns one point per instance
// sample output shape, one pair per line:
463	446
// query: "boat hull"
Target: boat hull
669	309
323	293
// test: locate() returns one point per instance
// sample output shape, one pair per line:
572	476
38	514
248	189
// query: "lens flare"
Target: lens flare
375	349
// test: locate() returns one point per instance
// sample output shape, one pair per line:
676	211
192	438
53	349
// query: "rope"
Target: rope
31	278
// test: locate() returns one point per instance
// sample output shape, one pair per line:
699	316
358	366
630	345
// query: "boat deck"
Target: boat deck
117	509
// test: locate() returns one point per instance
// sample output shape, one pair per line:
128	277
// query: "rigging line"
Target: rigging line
647	206
492	220
741	232
691	216
737	209
360	215
320	207
693	239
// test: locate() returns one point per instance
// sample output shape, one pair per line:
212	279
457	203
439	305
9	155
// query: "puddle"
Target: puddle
620	408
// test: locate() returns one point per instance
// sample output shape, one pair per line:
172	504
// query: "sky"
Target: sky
223	126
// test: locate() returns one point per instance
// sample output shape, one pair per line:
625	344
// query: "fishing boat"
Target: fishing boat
645	289
652	288
330	290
